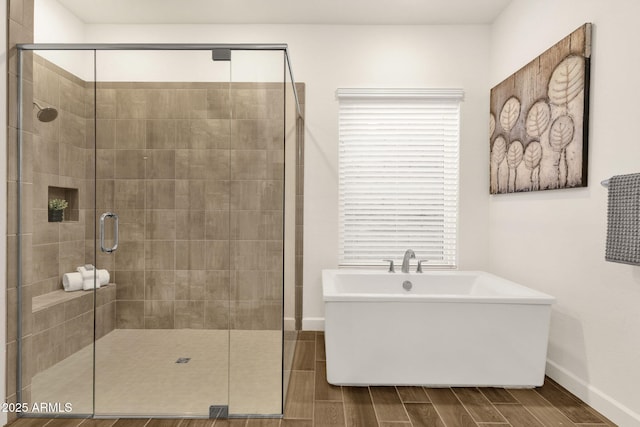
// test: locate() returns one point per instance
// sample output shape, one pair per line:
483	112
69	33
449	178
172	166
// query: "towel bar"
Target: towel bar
605	182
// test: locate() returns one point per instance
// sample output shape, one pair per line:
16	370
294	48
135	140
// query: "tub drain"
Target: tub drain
407	285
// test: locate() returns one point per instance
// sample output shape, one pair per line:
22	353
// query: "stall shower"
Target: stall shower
169	286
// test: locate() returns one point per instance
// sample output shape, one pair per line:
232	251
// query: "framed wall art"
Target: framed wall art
539	120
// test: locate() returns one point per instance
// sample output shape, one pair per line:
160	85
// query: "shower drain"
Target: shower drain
183	360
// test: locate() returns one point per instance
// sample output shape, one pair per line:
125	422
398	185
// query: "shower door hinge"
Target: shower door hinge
217	412
221	54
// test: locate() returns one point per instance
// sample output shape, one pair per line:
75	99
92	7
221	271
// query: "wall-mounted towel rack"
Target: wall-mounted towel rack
605	182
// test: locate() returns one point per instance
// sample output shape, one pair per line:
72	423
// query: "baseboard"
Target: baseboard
598	400
313	323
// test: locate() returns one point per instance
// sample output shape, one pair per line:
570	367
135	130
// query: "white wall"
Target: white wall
53	23
554	240
330	57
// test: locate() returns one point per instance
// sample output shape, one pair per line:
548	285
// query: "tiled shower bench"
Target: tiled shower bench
63	323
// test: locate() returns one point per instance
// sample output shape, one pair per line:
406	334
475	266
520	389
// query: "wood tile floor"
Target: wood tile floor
313	402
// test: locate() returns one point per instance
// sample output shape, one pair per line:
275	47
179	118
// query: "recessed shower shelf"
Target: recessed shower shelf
72	212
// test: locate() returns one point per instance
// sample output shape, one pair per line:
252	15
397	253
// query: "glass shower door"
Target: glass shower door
160	292
57	313
162	175
257	171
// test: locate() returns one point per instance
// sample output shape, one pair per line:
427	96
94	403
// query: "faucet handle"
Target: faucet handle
419	269
391	266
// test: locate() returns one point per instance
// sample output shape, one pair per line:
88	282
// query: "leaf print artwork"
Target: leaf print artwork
514	158
532	157
560	136
498	154
538	120
567	80
492	124
510	113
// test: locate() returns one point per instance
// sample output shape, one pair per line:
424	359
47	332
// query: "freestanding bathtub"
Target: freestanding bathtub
452	328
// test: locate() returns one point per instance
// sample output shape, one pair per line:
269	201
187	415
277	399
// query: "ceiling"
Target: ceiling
432	12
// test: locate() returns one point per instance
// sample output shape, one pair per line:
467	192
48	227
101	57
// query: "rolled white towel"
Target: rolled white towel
88	275
88	284
103	277
85	273
72	282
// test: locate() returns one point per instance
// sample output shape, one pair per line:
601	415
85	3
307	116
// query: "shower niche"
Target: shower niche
70	195
180	177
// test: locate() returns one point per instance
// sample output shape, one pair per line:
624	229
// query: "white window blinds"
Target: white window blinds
398	172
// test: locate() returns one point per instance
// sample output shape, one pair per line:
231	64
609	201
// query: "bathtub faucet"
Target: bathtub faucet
405	260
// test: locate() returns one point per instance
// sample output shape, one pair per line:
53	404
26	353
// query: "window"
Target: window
398	173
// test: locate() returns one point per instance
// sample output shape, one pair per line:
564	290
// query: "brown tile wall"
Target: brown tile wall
63	158
196	174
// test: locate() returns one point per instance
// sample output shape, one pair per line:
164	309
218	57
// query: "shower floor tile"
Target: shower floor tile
137	374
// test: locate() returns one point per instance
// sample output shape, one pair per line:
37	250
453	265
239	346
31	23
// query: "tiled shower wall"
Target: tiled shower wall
62	152
195	171
62	156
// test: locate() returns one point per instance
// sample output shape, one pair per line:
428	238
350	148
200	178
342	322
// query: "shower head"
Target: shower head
46	114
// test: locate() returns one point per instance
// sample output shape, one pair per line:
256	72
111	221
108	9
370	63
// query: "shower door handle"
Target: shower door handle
115	232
